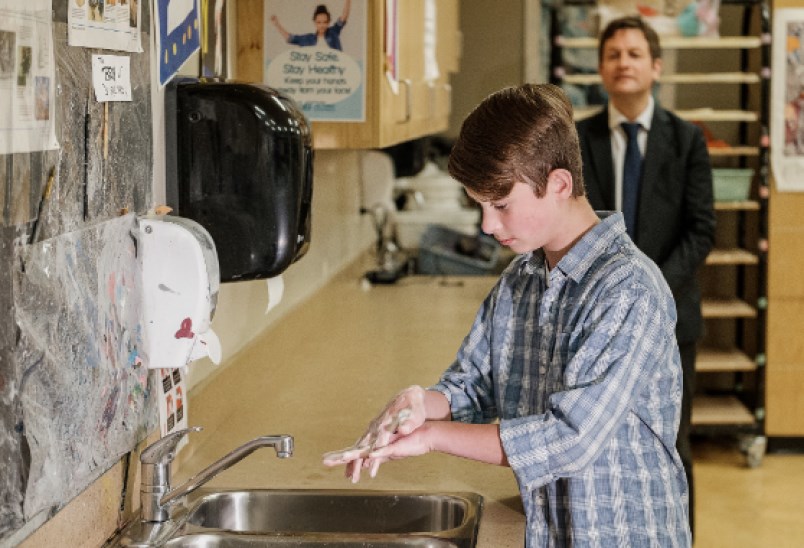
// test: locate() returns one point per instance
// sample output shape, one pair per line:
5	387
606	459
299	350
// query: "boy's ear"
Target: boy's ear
560	182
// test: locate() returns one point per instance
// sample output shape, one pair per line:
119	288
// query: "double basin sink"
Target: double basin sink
318	518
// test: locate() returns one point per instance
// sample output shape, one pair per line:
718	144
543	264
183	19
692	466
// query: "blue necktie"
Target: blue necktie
632	170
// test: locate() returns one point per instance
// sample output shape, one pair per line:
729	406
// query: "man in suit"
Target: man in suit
662	183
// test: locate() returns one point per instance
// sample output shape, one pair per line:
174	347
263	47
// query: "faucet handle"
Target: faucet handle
163	451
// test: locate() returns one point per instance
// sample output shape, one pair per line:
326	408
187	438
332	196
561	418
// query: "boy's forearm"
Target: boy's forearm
436	406
480	442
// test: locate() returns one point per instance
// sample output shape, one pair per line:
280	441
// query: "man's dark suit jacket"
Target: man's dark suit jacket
675	216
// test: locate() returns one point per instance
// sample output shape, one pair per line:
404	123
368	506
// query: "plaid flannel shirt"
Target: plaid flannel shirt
581	367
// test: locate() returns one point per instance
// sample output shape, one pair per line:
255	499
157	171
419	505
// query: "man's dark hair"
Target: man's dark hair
630	22
518	134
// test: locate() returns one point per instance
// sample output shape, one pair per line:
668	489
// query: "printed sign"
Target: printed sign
111	77
107	24
27	82
315	53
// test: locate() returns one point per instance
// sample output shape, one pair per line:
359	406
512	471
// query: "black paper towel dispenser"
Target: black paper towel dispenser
240	163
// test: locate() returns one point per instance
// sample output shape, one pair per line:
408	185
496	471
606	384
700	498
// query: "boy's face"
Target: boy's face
521	220
626	66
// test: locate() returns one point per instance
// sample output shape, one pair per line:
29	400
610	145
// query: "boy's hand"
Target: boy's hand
414	445
404	414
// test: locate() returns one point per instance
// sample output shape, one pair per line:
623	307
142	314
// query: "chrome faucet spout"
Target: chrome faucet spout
282	444
156	495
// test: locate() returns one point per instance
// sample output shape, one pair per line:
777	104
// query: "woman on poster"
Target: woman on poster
325	35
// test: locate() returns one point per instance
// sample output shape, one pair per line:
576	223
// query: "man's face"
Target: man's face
521	220
626	67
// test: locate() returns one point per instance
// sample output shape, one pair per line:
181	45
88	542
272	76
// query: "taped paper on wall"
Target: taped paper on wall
111	77
172	401
105	24
27	77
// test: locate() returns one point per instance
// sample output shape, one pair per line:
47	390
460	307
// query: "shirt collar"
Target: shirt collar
535	264
616	117
584	253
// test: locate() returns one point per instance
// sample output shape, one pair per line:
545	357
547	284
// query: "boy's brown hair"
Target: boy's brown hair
518	134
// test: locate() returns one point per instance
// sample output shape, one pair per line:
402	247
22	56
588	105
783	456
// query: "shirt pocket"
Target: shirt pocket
575	371
558	363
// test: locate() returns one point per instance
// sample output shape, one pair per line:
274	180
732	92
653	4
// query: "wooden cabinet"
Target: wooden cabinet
422	103
420	107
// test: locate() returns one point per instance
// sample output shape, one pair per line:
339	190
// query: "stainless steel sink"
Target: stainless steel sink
337	517
332	511
190	516
315	518
223	540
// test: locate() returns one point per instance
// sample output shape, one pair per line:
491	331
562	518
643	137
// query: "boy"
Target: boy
570	374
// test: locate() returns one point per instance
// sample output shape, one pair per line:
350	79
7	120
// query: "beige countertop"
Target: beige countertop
325	370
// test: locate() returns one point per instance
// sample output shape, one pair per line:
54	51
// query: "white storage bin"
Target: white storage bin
435	188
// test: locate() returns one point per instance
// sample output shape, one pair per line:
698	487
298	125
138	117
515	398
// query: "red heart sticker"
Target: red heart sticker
186	331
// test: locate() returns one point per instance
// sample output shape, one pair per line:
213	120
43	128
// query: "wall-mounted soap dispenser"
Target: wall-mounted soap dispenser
179	269
240	163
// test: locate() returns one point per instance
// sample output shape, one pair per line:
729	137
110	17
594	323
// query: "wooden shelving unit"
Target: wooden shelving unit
713	360
732	354
697	115
721	411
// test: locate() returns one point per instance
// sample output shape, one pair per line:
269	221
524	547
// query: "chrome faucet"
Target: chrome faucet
155	493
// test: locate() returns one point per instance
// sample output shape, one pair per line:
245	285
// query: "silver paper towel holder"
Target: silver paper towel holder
239	161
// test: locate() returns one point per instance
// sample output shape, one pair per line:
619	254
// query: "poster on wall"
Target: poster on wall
107	24
27	83
316	54
787	100
178	35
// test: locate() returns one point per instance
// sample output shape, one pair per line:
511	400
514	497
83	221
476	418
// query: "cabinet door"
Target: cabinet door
427	55
401	108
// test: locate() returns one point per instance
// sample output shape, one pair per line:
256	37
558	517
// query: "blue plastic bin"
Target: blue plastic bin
438	254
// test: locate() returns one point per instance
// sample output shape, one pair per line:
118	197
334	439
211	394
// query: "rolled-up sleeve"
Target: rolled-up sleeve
468	384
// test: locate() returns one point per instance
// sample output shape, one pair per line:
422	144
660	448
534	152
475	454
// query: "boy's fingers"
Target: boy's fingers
344	456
